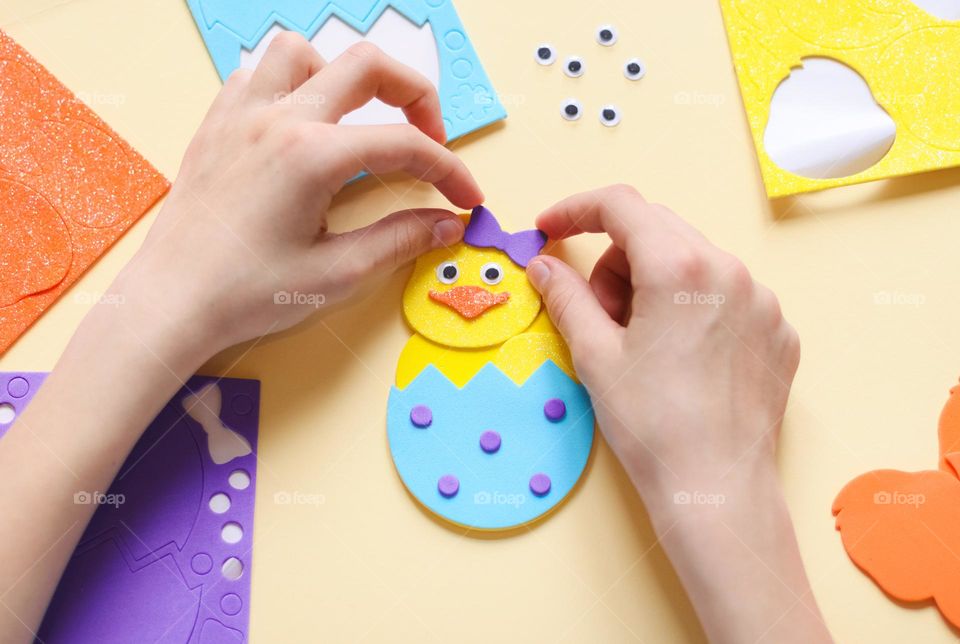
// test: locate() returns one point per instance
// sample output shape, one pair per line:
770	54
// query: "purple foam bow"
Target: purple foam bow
484	231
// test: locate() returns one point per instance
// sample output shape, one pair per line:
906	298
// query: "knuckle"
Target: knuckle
366	52
239	77
290	41
292	139
558	303
624	190
768	308
737	276
261	124
688	266
405	244
792	343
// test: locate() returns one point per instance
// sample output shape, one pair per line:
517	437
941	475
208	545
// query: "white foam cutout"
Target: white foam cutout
239	480
399	38
943	9
232	569
825	123
231	533
219	503
7	413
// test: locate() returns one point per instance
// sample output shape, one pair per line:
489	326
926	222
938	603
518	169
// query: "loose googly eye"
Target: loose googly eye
447	272
634	69
545	54
491	273
610	115
607	35
571	109
574	67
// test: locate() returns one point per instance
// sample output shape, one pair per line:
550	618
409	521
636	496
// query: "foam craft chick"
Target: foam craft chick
903	528
472	305
488	426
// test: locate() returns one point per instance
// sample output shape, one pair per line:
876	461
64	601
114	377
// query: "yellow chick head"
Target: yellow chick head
469	297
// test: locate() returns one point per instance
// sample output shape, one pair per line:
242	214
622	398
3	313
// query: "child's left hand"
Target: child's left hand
244	228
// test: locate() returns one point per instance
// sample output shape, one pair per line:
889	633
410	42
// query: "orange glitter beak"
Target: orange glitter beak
469	301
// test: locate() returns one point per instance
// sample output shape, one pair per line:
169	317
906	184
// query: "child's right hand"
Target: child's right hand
689	362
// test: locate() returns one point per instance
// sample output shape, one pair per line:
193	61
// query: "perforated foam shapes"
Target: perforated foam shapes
902	528
425	34
907	59
167	554
495	454
69	188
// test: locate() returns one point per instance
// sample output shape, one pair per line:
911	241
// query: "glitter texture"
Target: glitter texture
69	187
907	56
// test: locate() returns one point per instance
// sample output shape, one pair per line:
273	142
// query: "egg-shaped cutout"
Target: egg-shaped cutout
825	123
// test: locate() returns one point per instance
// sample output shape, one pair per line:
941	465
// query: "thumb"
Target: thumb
571	304
401	237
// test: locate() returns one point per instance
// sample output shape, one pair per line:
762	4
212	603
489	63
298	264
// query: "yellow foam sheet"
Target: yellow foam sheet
908	57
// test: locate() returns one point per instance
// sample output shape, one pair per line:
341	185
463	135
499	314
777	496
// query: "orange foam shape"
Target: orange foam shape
903	528
69	188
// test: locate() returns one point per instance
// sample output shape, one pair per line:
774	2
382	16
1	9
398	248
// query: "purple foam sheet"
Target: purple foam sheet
167	554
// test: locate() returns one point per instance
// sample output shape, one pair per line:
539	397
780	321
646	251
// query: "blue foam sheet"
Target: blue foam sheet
466	94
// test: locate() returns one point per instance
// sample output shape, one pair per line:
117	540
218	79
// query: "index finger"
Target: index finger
597	211
362	73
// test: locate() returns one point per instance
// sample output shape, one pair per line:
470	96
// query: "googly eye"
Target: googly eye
634	69
545	54
607	35
571	109
447	272
574	67
610	115
491	273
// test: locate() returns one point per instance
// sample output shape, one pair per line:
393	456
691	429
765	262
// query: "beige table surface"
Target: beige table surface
368	563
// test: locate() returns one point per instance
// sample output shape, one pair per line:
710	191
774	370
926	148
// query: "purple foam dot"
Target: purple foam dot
490	441
540	484
421	416
555	409
18	387
448	485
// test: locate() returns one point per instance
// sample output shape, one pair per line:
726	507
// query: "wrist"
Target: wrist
725	491
162	314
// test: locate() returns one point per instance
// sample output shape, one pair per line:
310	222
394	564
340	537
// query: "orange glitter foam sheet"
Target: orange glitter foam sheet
69	188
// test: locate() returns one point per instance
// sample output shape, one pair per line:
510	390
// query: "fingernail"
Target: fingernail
447	232
538	273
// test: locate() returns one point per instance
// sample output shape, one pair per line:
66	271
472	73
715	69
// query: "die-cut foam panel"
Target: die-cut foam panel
398	37
425	34
903	528
154	564
69	187
907	56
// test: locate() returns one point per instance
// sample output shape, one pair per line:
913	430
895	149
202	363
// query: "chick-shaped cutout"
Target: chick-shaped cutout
488	426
